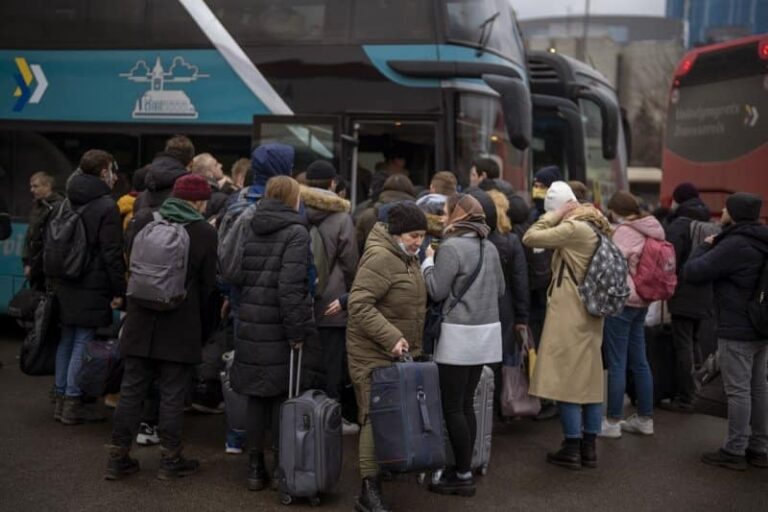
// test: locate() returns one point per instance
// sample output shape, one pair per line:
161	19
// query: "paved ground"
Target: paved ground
45	466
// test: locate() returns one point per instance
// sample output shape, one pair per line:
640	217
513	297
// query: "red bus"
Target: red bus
717	122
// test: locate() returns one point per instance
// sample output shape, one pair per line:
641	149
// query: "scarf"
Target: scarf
467	216
588	213
178	210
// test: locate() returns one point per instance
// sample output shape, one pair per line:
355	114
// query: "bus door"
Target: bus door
312	137
405	144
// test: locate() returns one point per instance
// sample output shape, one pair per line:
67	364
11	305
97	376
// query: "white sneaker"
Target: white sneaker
348	428
610	430
147	435
638	425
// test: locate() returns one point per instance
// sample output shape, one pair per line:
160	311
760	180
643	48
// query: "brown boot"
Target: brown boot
74	412
120	464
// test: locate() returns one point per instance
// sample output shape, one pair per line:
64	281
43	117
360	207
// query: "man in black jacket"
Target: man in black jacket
86	304
692	303
46	200
163	172
734	261
164	346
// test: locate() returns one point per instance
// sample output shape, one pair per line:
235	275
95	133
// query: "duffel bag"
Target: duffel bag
38	352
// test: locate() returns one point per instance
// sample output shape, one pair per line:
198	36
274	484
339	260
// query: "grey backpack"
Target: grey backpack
234	233
158	268
604	291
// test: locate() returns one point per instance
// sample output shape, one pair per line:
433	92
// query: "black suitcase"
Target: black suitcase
407	417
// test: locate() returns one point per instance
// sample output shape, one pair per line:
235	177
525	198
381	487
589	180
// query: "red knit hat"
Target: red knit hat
192	187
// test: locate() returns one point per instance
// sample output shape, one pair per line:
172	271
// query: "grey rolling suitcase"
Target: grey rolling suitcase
236	405
481	453
310	441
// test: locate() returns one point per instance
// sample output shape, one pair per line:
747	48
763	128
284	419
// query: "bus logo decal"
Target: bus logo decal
24	78
752	116
159	102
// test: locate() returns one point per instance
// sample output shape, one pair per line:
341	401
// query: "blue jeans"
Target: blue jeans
624	344
578	418
69	358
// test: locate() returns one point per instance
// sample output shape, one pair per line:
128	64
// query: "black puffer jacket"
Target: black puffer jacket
32	253
86	302
690	300
514	306
162	174
275	306
733	263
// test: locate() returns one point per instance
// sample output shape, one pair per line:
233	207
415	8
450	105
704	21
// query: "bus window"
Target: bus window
465	19
384	20
550	139
480	131
601	173
312	141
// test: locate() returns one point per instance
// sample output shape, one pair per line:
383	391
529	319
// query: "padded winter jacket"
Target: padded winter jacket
733	263
275	306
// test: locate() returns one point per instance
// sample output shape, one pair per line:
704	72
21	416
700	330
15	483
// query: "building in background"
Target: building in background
715	21
638	54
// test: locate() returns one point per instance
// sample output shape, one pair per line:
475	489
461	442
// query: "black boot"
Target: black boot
450	483
569	455
75	412
257	472
120	464
173	465
370	497
589	451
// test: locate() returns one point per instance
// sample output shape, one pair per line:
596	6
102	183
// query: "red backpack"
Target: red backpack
656	276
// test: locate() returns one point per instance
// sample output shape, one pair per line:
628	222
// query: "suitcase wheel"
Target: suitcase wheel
314	502
483	470
286	499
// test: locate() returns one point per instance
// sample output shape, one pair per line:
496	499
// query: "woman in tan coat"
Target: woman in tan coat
387	306
569	367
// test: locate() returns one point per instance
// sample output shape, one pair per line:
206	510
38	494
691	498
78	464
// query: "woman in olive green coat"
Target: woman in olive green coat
387	306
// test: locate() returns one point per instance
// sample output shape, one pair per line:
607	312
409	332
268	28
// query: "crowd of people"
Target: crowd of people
352	287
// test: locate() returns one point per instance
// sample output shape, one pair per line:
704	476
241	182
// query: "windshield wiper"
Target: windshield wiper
486	28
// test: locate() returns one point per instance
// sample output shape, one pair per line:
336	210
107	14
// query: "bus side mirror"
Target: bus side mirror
609	112
627	134
516	106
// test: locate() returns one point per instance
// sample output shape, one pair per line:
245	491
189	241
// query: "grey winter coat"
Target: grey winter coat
471	332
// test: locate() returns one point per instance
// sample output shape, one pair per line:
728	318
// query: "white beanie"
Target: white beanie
558	194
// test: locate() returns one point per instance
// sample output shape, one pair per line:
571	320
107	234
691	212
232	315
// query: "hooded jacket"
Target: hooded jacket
275	306
161	175
630	238
387	302
690	300
33	241
370	216
177	335
86	302
733	263
330	214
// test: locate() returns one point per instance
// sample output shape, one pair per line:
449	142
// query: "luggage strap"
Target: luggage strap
421	398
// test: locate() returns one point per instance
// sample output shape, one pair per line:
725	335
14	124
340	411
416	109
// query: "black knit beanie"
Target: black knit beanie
744	207
406	217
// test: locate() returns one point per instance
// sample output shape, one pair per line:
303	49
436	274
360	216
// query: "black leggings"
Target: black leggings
263	414
457	390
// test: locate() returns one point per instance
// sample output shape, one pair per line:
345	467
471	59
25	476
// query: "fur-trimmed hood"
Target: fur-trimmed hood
324	200
435	225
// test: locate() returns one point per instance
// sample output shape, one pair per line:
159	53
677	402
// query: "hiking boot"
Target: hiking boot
723	459
588	454
450	483
173	465
610	430
58	407
235	442
678	405
147	435
257	472
74	412
756	459
638	425
370	497
120	464
569	455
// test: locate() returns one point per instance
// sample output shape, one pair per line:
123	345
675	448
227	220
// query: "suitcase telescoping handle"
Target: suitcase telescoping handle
294	372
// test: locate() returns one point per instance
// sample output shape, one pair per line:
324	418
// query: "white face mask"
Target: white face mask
405	249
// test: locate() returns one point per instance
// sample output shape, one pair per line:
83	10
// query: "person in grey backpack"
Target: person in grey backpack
569	366
162	340
87	294
470	334
332	233
735	262
165	169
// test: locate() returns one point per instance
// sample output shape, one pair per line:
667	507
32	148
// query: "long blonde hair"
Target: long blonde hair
503	224
283	188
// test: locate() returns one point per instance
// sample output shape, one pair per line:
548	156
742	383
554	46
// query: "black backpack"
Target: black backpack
757	309
65	252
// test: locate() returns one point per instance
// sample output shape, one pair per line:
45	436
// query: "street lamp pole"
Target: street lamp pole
585	34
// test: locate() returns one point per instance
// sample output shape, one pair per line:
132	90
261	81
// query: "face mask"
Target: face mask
404	248
539	193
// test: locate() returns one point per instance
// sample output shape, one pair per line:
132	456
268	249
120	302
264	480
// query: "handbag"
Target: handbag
515	399
38	352
436	312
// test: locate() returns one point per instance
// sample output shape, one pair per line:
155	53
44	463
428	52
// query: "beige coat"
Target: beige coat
569	367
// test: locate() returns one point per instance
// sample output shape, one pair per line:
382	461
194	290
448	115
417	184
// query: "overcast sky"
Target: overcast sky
538	8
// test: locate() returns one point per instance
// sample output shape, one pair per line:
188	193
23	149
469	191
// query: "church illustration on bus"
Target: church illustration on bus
159	102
